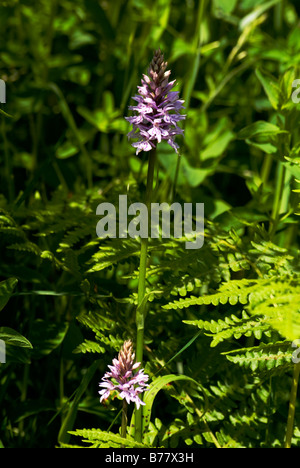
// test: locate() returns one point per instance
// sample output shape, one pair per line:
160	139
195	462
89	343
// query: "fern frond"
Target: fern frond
77	233
265	357
112	253
106	333
26	247
88	346
71	262
231	326
12	231
235	291
277	303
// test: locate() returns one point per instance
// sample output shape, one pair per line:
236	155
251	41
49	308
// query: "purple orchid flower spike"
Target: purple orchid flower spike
122	378
157	109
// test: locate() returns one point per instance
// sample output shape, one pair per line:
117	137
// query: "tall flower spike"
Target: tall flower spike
157	109
122	379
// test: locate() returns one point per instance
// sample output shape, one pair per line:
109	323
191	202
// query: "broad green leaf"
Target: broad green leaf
181	47
270	86
194	176
259	128
151	393
16	346
13	338
265	147
286	86
217	147
6	290
226	5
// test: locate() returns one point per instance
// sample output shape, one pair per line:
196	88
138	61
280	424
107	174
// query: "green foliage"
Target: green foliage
264	358
101	439
275	300
221	319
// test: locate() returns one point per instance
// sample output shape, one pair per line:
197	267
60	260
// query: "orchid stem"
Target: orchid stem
141	307
292	407
124	419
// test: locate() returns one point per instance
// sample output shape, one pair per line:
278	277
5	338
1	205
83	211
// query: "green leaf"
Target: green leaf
258	11
270	86
6	290
259	128
218	146
286	86
265	147
106	438
151	393
13	338
194	176
263	358
227	6
5	113
69	420
16	346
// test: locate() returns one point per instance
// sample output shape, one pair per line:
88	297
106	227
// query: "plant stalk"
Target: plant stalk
292	407
8	163
141	307
197	54
278	196
124	419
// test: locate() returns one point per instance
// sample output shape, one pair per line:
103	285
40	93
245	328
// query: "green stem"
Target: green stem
24	395
292	406
190	83
43	77
8	162
278	15
124	419
176	176
278	195
266	169
140	313
141	307
61	388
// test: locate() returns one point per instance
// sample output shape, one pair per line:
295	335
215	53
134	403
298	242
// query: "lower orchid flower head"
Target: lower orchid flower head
122	378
